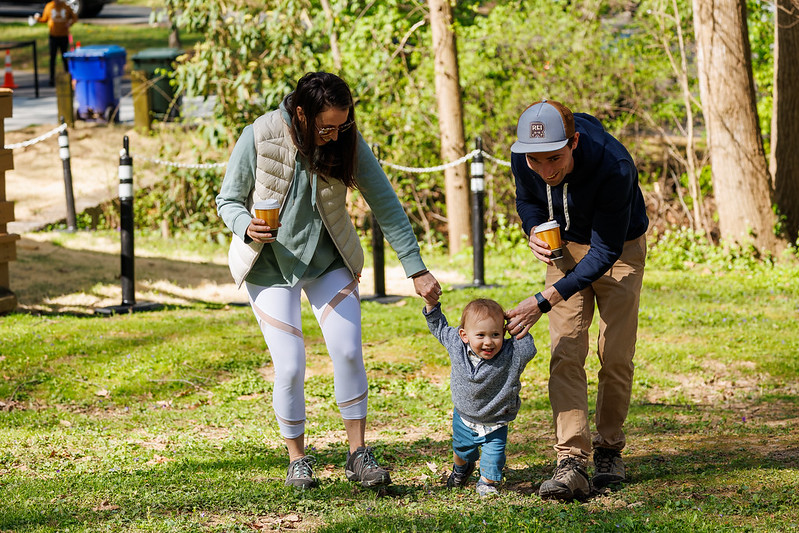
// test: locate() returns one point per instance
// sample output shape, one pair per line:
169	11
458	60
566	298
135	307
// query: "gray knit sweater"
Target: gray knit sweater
489	392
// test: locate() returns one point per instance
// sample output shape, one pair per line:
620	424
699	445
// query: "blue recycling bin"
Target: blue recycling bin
97	71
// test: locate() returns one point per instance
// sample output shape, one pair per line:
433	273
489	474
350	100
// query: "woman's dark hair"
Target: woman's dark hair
315	93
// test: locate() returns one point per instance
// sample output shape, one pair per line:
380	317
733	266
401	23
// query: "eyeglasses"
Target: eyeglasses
327	131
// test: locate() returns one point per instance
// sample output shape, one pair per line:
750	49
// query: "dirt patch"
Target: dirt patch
37	184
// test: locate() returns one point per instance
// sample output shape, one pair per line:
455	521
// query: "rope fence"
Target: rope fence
38	139
207	166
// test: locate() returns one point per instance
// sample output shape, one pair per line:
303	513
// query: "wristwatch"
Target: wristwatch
543	303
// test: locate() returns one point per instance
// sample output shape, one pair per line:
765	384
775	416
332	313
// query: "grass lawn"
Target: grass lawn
162	421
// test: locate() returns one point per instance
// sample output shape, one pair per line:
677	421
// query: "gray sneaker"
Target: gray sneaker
362	466
460	479
300	473
570	482
608	467
486	489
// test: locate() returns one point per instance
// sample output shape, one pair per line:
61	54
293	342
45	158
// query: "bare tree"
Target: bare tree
741	180
785	117
450	123
669	23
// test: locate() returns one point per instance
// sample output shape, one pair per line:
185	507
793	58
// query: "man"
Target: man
569	169
59	17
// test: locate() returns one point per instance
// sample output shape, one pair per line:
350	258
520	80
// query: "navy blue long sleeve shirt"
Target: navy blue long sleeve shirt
605	203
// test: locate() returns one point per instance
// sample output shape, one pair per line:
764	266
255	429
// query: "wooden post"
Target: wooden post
65	97
140	88
8	242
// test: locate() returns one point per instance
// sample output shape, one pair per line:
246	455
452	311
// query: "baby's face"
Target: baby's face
484	335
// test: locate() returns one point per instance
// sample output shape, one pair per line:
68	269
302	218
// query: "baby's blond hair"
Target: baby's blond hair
479	308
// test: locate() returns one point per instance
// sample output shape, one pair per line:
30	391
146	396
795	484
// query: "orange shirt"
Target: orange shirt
59	17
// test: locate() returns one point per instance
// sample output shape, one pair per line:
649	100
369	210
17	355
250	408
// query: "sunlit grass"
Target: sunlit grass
162	421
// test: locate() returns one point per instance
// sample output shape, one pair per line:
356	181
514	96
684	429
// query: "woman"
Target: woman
307	155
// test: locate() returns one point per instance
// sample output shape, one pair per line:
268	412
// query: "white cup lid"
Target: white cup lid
266	204
552	224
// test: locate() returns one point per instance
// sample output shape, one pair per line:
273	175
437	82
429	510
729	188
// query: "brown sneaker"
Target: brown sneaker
608	467
570	482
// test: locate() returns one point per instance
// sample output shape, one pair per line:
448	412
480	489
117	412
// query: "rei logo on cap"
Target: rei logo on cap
537	130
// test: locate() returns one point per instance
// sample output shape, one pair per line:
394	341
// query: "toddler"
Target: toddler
485	384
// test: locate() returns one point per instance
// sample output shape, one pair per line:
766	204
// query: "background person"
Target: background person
568	168
485	381
307	155
59	17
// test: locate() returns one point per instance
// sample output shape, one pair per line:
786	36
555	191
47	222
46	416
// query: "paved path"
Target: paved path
31	111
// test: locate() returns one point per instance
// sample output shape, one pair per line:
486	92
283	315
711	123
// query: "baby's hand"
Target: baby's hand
430	302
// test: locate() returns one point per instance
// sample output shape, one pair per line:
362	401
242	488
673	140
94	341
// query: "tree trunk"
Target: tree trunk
450	123
785	117
741	180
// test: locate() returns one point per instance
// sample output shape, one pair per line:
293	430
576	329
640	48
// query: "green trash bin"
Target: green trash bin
157	63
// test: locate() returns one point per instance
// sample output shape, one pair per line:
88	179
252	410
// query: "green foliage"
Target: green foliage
253	54
760	20
684	248
185	201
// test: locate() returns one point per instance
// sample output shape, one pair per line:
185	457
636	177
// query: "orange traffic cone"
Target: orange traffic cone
9	80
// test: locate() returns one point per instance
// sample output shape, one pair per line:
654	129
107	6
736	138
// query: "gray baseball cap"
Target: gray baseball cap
545	126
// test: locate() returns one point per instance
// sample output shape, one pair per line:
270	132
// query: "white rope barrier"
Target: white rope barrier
433	169
207	166
180	165
418	170
496	160
38	139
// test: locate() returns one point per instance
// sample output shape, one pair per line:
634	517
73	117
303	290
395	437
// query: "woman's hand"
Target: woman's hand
427	287
259	231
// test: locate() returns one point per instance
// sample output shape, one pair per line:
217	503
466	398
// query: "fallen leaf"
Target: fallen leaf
105	506
432	466
103	393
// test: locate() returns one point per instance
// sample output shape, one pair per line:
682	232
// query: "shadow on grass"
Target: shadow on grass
45	273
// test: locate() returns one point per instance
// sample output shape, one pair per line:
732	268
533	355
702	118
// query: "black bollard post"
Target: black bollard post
478	225
126	223
63	153
378	248
129	304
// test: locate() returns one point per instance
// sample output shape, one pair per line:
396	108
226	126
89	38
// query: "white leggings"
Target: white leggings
337	307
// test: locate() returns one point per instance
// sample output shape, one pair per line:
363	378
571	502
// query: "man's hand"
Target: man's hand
539	248
522	317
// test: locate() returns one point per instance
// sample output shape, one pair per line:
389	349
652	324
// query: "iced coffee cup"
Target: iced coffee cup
268	210
549	232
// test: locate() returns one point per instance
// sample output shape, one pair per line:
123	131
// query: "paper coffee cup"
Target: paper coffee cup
549	232
269	211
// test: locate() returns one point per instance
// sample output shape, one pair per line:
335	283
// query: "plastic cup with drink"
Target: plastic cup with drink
268	211
549	232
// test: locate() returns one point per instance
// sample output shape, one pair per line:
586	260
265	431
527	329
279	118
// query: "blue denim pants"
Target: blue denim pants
466	444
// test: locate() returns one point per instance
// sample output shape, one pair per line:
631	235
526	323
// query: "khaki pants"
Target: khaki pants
616	294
